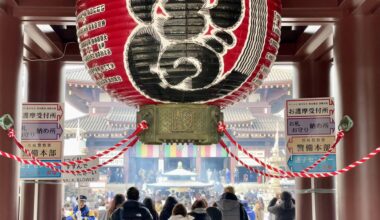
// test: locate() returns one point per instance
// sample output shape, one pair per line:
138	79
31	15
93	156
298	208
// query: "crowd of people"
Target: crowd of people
227	207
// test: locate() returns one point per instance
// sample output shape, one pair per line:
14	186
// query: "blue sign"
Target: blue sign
37	172
310	126
297	163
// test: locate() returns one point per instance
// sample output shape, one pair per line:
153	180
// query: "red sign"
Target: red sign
192	51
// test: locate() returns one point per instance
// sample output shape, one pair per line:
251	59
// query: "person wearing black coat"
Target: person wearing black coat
284	208
132	209
214	212
168	208
198	210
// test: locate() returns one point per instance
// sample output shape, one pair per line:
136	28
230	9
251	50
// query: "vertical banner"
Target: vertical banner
310	131
42	135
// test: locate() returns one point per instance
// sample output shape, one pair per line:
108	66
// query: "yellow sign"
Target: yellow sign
46	150
310	144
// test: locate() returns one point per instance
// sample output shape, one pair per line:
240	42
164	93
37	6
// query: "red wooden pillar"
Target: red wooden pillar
314	81
358	65
10	59
44	85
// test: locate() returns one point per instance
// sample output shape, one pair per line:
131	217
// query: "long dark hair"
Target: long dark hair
117	201
286	197
149	204
170	203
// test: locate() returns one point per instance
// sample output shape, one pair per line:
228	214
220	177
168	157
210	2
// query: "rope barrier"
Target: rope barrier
222	128
52	166
289	174
141	127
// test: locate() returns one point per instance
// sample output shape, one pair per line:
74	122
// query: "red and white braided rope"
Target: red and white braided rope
289	174
141	127
51	165
324	157
222	128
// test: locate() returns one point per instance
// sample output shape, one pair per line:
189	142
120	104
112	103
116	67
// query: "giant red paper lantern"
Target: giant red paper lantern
178	51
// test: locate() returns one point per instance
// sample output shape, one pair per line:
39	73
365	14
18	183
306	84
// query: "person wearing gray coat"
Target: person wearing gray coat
231	208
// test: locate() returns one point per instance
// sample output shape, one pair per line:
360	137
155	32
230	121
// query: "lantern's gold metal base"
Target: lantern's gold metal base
180	123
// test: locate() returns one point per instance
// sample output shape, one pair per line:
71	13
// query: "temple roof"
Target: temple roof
268	123
96	125
122	115
279	74
237	115
102	125
265	124
78	77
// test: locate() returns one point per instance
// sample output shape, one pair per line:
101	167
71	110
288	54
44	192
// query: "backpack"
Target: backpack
130	215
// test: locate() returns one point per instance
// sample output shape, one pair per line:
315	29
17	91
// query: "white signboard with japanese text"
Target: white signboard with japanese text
260	154
42	134
82	177
44	150
310	131
119	162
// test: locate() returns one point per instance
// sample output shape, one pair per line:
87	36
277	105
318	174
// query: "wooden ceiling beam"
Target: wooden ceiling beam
63	11
32	51
286	52
45	43
309	3
58	12
316	40
47	3
46	15
324	52
367	7
350	5
311	15
310	11
6	6
72	53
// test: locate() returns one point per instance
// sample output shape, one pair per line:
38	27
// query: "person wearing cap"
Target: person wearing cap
81	211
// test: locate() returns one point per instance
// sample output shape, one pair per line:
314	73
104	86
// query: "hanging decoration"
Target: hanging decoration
194	51
221	128
282	174
289	174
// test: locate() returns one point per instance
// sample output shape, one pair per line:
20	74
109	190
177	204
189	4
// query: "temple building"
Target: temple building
252	122
327	48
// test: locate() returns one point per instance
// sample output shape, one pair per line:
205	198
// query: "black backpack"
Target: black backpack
130	215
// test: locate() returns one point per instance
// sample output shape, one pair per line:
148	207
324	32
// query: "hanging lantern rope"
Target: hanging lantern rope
222	128
289	174
52	166
141	127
